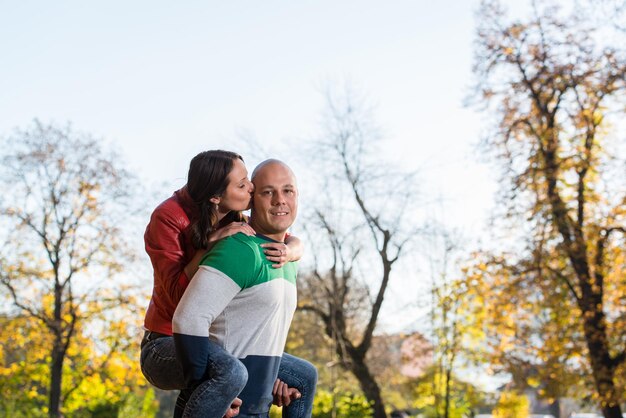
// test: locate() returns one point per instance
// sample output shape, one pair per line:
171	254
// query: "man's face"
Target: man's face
275	200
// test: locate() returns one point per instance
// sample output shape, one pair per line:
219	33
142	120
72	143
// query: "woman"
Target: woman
180	231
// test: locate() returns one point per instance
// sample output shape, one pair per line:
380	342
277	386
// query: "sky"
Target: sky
161	81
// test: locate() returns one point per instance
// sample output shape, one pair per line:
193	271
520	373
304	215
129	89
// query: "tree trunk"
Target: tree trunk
590	303
58	351
56	375
368	385
601	363
446	413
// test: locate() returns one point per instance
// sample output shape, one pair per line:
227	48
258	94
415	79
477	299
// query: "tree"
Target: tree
555	89
64	206
448	326
511	405
463	397
362	219
117	388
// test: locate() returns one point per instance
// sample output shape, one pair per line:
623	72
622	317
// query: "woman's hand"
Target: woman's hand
281	253
230	229
277	252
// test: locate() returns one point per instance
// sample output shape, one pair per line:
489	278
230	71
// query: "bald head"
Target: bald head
275	199
268	165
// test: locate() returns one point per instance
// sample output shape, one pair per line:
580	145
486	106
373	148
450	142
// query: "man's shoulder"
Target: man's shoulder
238	256
235	249
240	243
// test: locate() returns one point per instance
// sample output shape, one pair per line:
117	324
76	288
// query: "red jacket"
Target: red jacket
168	243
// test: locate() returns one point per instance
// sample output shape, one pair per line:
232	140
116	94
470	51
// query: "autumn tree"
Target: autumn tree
63	210
553	301
511	405
463	398
115	387
359	229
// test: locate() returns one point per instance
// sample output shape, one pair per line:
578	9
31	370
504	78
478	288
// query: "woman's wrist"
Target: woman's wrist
294	248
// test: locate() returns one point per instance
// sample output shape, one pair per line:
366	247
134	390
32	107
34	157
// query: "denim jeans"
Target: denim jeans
227	378
213	397
161	368
302	375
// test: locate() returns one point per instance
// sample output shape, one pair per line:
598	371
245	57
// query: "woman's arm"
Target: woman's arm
164	247
295	248
192	267
223	232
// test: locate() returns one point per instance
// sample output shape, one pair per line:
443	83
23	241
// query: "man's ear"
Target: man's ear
215	200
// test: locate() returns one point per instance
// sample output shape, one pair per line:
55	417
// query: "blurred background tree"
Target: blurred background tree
550	298
511	405
65	216
355	239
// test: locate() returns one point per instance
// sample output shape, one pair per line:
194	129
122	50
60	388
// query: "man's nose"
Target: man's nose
278	198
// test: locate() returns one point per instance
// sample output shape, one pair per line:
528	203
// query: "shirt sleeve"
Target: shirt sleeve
208	294
236	257
223	273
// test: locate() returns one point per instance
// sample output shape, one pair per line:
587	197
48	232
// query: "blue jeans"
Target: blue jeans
161	368
227	378
302	375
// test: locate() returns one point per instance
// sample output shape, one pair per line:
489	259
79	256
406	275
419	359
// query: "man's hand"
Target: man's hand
283	394
233	411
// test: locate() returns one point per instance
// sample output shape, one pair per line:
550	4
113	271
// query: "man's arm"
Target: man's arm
283	394
207	296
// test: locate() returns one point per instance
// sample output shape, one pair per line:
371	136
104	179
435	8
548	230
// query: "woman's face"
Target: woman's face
239	190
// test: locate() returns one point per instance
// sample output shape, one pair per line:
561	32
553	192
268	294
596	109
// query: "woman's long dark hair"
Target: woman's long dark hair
207	178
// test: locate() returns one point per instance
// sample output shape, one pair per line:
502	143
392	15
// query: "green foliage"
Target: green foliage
65	228
429	397
94	385
134	405
346	405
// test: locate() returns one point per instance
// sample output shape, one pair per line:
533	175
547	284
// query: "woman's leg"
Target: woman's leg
225	378
159	364
225	375
302	375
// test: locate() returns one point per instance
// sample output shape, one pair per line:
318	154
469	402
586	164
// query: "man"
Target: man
247	304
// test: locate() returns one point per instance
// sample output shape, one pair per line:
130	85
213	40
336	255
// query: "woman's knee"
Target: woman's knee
235	372
304	369
309	373
299	369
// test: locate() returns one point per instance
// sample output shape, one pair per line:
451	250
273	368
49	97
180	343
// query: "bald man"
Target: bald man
239	301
